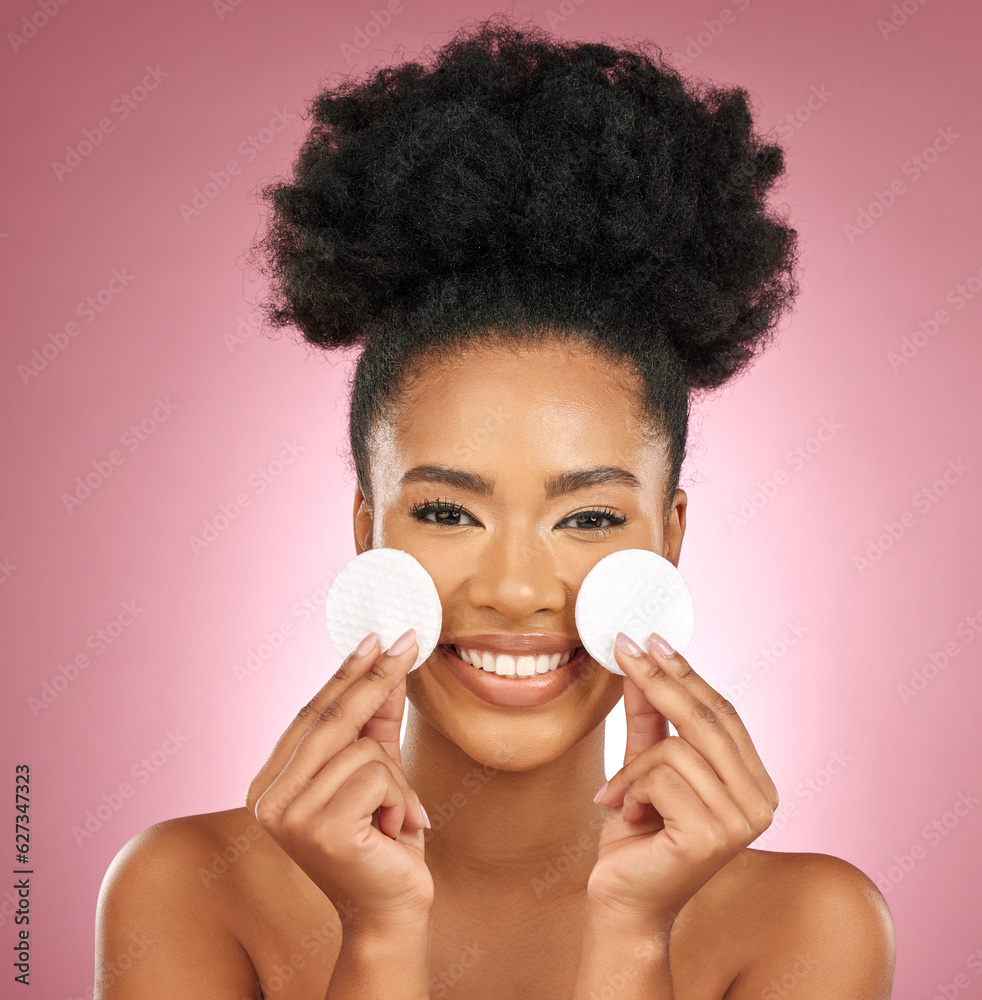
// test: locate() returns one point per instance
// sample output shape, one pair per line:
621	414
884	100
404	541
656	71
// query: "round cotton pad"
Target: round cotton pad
637	592
384	591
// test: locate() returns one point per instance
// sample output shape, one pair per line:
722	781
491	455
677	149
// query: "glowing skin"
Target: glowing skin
513	562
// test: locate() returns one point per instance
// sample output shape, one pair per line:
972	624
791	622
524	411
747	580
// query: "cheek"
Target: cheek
612	688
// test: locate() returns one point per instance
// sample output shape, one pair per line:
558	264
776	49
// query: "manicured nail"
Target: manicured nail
366	645
626	644
403	642
600	794
658	645
426	819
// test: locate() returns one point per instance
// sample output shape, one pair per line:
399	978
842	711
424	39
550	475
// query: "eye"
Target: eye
605	515
422	511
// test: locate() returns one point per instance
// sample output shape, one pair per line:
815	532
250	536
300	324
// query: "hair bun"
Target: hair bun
518	160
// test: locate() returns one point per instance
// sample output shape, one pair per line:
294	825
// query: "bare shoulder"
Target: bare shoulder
196	849
165	920
813	923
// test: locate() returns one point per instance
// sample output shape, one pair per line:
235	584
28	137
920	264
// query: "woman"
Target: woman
543	249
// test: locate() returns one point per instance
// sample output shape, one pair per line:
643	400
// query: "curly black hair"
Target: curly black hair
520	186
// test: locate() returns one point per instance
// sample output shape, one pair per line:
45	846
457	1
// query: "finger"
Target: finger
335	772
674	800
339	723
671	685
352	667
724	711
385	725
341	829
349	808
366	768
646	726
743	822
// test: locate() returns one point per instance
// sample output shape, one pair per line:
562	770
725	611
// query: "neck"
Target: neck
530	834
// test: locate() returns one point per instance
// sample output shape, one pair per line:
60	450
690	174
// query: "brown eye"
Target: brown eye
605	515
422	511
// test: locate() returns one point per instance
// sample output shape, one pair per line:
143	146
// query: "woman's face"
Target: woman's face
512	560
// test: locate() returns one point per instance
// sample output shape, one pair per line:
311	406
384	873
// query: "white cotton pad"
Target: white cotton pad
637	592
384	591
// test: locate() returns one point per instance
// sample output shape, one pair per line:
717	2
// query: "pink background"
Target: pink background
864	768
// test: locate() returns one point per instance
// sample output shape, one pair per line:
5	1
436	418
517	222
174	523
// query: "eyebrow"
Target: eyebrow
564	482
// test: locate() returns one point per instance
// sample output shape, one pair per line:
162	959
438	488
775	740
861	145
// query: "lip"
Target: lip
509	693
529	644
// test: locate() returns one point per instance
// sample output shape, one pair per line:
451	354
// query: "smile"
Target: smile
506	665
503	685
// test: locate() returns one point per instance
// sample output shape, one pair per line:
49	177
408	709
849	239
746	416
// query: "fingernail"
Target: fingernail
658	645
403	642
626	644
426	819
366	645
600	794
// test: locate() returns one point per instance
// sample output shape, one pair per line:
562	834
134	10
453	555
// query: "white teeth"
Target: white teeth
504	664
513	666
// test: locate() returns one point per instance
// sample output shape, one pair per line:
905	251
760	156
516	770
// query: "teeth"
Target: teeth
513	666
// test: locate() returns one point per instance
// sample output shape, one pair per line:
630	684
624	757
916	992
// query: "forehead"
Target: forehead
507	411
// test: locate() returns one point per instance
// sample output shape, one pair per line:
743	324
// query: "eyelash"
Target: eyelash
421	510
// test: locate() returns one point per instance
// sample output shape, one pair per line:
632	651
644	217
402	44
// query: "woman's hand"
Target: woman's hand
688	803
333	794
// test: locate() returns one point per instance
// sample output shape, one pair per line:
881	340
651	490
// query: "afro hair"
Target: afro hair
522	182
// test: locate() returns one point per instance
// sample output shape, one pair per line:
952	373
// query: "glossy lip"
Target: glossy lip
528	644
520	691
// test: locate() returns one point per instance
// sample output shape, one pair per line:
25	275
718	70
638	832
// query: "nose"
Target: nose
518	575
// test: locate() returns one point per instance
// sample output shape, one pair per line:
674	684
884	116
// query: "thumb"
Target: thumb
386	723
646	726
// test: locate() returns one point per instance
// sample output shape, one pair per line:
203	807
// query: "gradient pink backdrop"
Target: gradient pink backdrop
864	768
